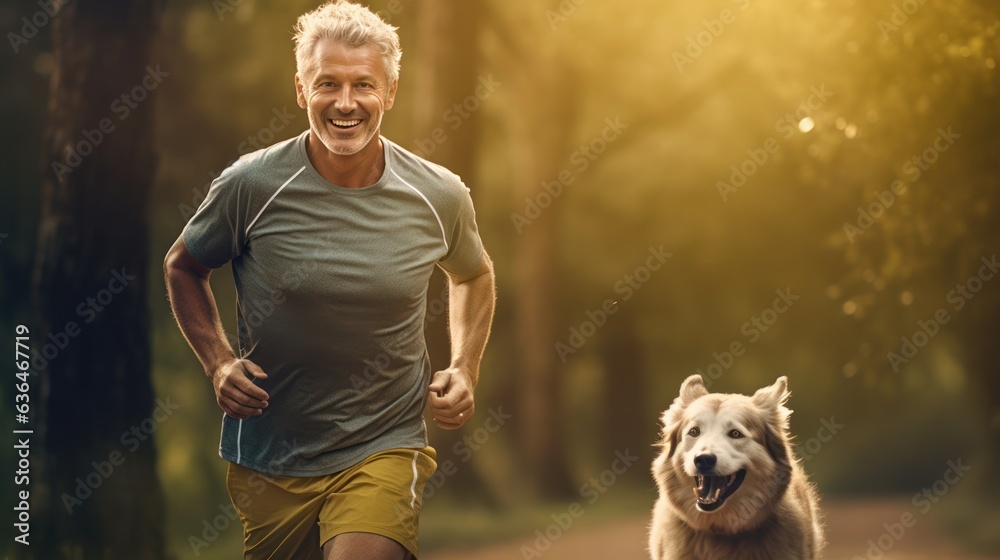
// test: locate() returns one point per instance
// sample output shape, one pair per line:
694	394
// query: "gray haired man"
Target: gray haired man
332	237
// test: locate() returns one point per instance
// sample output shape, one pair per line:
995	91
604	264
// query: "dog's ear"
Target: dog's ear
777	446
692	388
773	396
671	427
772	400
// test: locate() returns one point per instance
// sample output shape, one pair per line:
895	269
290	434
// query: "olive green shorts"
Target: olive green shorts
292	517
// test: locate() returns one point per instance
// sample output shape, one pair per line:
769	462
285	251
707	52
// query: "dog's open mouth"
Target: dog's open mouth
712	491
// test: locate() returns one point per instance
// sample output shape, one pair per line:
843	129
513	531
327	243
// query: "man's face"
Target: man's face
344	91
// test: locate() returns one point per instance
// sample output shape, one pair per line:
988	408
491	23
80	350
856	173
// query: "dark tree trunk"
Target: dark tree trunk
447	73
96	493
984	370
541	127
627	422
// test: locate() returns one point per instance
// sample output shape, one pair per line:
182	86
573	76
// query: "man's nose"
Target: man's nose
346	102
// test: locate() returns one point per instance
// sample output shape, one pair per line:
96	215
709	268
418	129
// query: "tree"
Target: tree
541	130
445	76
96	494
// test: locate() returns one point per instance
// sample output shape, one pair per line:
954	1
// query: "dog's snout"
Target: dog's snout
705	463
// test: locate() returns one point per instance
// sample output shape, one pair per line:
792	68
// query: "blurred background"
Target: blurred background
738	188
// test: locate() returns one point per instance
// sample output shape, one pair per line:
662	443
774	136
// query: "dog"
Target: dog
730	487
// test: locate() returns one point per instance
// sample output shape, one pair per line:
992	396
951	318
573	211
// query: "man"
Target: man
332	237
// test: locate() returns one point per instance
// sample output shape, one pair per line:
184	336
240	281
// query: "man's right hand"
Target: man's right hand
235	391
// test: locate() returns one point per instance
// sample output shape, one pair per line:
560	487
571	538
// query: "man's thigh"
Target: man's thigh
355	546
278	514
381	497
377	502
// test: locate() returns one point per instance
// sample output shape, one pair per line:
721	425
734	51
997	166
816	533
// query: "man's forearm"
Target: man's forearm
193	305
471	305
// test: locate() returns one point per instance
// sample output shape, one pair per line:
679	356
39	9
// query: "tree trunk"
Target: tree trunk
446	74
96	493
627	423
541	128
983	365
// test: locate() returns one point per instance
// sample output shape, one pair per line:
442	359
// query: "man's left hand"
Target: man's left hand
451	398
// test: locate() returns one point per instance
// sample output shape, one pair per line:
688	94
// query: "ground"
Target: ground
850	525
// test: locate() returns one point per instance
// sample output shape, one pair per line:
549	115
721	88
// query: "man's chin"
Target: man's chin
345	146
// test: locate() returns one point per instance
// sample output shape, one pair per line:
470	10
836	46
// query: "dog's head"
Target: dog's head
725	458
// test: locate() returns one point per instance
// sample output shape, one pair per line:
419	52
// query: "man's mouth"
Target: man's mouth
712	491
344	123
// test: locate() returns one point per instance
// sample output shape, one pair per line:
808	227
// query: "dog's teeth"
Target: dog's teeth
715	497
732	479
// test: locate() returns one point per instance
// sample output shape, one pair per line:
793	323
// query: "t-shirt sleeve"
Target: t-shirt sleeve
215	234
465	248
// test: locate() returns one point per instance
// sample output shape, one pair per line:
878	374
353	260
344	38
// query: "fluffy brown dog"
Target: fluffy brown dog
730	485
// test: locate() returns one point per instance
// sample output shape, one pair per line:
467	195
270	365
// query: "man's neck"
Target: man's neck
355	171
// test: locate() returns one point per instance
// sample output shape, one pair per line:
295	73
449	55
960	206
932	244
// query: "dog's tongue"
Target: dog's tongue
710	484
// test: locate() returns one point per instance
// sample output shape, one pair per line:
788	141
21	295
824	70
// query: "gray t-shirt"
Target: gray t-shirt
332	287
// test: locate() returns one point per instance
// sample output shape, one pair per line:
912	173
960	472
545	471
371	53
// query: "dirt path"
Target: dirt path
849	527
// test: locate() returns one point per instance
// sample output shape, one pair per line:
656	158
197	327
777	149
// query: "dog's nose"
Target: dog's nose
705	463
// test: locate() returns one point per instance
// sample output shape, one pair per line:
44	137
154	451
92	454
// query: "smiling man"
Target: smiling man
332	237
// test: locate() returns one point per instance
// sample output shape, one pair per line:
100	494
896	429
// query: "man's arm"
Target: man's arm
193	304
471	301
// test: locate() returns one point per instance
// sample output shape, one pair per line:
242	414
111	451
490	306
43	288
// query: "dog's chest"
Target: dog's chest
708	546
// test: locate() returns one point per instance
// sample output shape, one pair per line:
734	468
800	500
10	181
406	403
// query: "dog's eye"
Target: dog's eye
735	434
694	432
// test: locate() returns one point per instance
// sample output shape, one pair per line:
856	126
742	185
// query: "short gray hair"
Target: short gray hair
351	24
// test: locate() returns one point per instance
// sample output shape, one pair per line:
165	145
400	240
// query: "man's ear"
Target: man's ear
300	93
390	97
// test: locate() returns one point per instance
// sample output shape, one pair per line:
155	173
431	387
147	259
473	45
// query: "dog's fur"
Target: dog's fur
772	515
